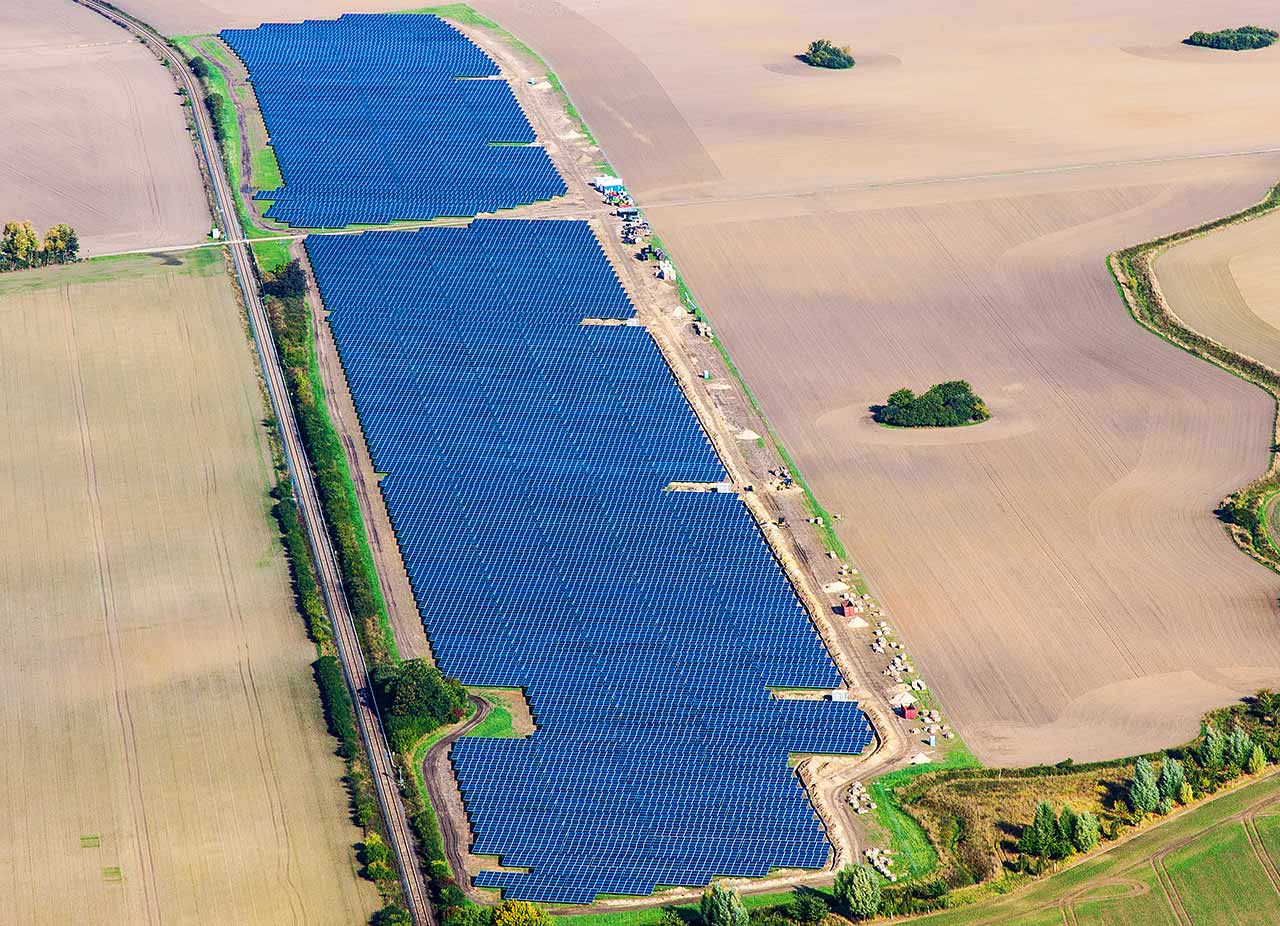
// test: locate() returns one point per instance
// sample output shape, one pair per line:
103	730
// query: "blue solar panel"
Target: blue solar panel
373	119
527	456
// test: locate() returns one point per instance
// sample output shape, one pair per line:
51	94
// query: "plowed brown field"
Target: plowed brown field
92	133
944	210
165	756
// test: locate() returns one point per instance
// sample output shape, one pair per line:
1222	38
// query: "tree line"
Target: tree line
21	248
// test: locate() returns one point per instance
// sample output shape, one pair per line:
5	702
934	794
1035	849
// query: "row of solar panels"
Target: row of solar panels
527	457
645	626
370	122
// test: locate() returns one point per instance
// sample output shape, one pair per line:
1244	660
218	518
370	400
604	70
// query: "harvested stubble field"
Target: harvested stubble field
168	760
944	210
94	134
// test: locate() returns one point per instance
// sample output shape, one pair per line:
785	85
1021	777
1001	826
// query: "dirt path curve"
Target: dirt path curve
442	790
1260	850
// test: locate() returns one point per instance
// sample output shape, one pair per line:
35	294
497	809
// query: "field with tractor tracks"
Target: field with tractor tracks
94	133
170	760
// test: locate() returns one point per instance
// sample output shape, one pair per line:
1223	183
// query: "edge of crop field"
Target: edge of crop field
1132	270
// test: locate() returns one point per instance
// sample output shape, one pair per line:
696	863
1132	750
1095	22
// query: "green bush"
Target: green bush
807	906
416	699
306	588
339	714
822	53
945	405
391	916
1242	38
857	890
290	280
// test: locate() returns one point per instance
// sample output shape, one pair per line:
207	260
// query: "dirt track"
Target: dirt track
157	683
1058	574
93	133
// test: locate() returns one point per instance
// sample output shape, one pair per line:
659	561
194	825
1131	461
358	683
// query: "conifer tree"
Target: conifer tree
1144	794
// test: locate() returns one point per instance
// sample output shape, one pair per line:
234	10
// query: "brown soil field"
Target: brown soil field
1226	285
94	134
166	756
945	210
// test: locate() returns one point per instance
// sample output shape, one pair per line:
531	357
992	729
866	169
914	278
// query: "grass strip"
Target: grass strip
498	725
464	15
826	529
271	254
907	837
222	109
424	822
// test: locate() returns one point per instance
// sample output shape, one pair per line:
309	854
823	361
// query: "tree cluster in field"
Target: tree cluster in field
1242	38
415	699
1052	836
945	405
1215	759
21	248
822	53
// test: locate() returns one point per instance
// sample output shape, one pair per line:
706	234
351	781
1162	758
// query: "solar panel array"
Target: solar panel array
372	122
528	456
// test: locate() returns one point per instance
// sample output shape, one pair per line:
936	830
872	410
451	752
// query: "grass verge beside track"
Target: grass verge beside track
464	15
266	168
291	326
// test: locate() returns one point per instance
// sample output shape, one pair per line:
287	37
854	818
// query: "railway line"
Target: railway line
417	898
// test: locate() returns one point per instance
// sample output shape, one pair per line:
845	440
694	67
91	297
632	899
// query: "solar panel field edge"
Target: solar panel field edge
755	527
555	878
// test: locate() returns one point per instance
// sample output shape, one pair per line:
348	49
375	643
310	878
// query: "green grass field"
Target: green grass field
1221	882
1205	850
498	725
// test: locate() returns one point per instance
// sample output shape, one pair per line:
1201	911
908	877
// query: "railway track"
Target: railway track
346	638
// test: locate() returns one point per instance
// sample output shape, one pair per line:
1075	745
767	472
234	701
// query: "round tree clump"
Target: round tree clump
822	53
1242	38
945	405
